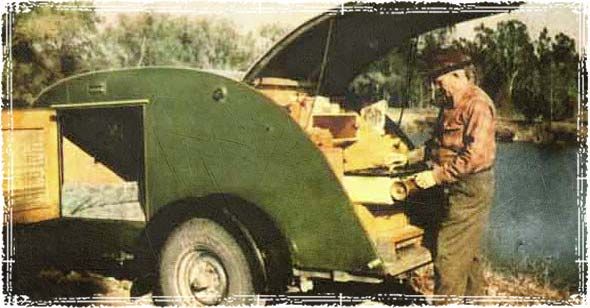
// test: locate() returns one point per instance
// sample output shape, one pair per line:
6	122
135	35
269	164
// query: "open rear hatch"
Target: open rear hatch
353	35
308	73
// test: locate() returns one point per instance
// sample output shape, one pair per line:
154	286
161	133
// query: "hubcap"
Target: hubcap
202	277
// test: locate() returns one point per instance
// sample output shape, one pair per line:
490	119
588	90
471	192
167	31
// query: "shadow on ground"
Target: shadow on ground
77	263
68	262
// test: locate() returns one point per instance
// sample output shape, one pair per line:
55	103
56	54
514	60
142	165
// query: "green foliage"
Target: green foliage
149	39
394	78
503	58
398	77
515	57
564	72
268	35
50	42
373	86
534	78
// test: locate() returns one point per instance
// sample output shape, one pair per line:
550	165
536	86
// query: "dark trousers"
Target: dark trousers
464	216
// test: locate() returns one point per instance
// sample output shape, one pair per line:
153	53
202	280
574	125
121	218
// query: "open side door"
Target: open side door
103	170
30	170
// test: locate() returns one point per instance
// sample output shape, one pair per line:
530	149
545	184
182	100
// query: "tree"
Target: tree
516	61
160	39
536	79
483	52
48	44
432	42
565	64
512	68
373	86
555	82
397	76
267	35
545	77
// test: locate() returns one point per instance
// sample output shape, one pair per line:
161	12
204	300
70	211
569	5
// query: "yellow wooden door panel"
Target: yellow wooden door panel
30	172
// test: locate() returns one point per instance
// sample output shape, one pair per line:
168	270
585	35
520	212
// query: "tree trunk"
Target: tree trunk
511	88
141	52
550	97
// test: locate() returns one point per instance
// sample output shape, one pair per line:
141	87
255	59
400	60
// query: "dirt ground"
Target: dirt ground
52	266
54	286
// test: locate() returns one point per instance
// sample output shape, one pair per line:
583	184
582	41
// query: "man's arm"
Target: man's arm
480	147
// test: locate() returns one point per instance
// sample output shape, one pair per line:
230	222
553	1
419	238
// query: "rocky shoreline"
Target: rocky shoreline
507	129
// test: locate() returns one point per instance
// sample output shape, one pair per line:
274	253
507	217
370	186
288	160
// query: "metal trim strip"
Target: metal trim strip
130	102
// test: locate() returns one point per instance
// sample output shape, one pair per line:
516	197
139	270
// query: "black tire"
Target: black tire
201	264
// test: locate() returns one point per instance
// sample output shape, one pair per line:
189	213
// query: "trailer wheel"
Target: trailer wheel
202	264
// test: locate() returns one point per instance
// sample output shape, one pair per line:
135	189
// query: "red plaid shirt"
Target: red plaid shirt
465	136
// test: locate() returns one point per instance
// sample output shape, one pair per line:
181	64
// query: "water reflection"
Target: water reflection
534	221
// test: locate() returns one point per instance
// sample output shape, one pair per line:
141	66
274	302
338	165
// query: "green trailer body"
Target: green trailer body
241	145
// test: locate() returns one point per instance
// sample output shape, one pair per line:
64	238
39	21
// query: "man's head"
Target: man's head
452	82
449	71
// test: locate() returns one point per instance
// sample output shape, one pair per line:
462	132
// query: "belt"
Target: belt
444	155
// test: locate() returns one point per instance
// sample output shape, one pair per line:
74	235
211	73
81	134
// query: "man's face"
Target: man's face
449	82
441	97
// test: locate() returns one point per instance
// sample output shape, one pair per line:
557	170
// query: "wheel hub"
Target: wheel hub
203	278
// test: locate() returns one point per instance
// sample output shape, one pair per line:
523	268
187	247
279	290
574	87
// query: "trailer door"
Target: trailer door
30	167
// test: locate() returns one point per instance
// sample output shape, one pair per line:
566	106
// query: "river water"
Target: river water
534	220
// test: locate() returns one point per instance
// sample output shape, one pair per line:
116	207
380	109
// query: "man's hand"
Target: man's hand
425	179
416	155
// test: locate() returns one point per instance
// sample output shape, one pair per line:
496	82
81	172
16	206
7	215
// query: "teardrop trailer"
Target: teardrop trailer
240	187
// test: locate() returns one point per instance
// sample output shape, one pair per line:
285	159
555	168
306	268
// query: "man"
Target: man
462	153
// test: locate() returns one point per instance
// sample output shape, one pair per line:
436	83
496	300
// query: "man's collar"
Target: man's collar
458	97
